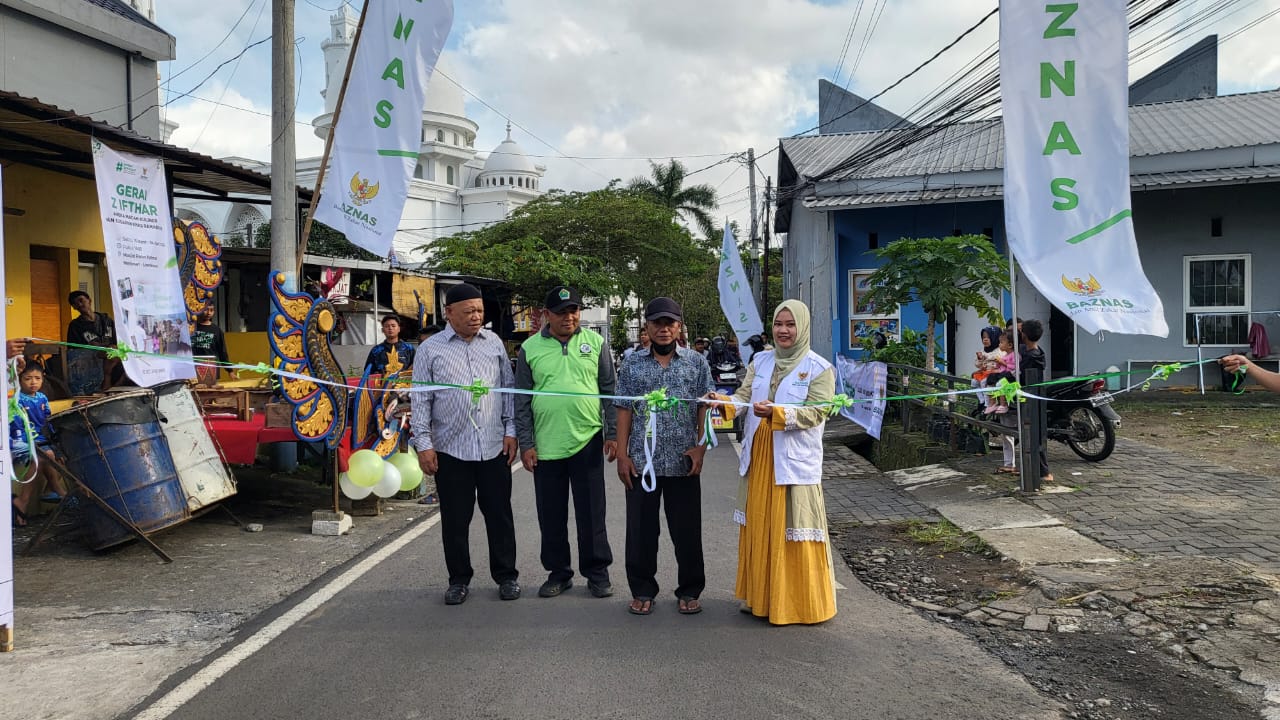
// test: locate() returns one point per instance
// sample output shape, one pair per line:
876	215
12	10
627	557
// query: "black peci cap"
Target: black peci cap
461	292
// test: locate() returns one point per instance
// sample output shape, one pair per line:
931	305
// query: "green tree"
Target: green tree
608	243
666	188
324	241
942	274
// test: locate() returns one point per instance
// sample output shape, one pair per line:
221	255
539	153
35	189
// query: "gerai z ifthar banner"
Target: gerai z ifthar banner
146	293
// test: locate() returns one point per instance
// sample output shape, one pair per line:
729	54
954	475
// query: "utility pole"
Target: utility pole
284	192
764	262
754	236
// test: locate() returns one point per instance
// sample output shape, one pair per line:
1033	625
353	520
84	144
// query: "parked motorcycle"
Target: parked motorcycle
1080	415
727	378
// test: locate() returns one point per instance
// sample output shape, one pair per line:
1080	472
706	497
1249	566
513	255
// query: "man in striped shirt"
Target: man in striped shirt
468	444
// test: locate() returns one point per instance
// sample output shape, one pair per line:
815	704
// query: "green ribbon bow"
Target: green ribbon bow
477	389
1161	372
119	352
657	401
838	403
261	368
1007	390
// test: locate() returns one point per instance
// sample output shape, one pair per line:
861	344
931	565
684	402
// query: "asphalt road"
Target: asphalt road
387	647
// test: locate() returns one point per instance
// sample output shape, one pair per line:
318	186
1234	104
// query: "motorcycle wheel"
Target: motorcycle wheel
1089	434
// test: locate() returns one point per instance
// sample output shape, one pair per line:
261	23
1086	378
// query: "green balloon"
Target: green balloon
364	468
410	471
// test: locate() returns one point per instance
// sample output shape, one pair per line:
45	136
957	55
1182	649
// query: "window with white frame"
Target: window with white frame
1215	297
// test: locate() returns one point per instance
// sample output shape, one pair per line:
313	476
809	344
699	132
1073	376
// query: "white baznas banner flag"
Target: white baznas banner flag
1064	86
735	295
379	132
142	264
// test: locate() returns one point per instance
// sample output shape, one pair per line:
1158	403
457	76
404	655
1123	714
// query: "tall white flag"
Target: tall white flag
379	132
735	294
1064	73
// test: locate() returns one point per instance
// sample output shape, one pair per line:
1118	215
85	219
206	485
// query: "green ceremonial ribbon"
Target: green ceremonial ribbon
1161	372
477	389
119	352
839	402
1237	382
15	411
1007	390
657	401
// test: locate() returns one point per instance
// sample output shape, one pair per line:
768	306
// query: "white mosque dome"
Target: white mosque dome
444	96
509	157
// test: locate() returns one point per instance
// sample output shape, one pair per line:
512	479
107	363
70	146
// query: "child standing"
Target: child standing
987	359
1003	370
35	409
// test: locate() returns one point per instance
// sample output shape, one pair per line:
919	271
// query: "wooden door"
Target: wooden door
46	300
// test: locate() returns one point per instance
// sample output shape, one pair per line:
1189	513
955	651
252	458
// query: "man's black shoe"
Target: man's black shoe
602	589
456	594
509	590
552	588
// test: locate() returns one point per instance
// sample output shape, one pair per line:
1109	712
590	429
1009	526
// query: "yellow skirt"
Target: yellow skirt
786	582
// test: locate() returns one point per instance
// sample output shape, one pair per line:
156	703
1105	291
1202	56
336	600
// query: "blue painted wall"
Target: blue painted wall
854	227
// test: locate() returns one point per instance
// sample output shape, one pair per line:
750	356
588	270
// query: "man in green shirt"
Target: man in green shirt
565	440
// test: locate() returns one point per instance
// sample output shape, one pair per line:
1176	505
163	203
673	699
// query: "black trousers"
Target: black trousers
461	485
583	474
681	497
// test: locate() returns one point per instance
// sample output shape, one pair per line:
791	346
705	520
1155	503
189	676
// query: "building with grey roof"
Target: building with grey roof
1204	175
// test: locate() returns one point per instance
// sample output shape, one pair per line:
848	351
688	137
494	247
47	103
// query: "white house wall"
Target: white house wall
1172	224
808	259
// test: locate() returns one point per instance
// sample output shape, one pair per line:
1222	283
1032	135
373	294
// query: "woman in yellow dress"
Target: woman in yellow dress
784	557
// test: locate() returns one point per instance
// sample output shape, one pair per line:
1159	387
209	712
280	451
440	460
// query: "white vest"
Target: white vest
797	454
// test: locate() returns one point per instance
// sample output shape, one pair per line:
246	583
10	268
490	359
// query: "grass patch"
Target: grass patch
946	537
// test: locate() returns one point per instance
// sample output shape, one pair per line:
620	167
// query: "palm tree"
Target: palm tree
667	189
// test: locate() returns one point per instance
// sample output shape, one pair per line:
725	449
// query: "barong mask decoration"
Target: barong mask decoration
200	268
299	335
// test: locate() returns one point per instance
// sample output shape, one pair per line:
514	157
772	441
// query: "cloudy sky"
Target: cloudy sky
597	86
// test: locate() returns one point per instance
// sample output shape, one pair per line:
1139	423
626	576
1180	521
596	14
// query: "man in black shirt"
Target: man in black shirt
392	354
208	340
89	371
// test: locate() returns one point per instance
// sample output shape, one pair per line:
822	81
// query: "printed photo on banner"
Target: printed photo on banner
859	287
865	320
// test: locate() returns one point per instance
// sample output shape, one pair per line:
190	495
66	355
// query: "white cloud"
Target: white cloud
238	127
662	78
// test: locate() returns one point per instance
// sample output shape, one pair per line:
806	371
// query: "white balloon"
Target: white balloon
352	490
390	483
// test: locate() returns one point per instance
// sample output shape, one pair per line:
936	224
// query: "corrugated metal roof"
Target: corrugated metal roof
1229	121
49	137
1149	181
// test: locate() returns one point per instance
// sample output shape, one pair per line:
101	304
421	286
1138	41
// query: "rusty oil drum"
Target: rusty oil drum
115	446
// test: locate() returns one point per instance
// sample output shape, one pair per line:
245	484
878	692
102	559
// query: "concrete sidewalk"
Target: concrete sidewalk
1183	552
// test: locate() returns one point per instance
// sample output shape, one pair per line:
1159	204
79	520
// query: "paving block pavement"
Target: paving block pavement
856	490
1153	501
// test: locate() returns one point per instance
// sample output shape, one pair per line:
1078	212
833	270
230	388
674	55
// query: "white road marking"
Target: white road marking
208	675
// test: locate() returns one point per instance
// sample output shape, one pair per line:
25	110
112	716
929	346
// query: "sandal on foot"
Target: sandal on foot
640	606
1007	469
690	606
